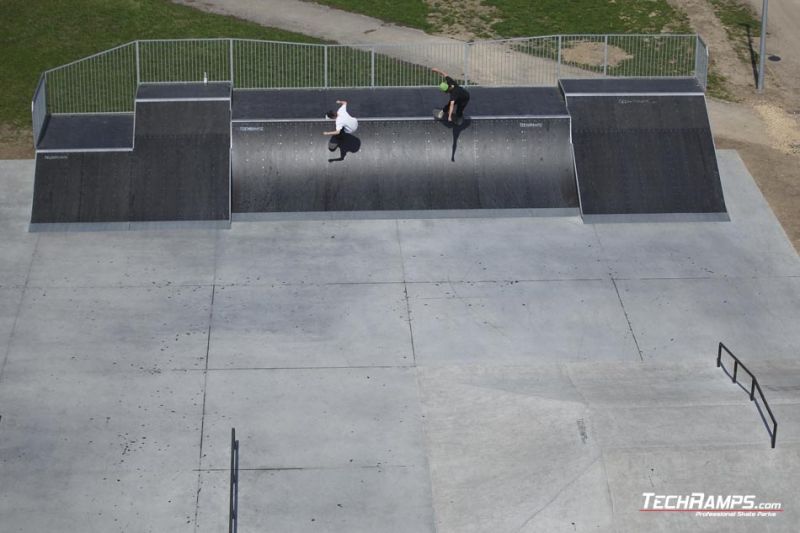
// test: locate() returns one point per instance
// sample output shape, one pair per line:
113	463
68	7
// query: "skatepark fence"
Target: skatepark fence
107	82
754	386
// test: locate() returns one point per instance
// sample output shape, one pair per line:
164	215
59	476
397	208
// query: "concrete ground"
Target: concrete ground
410	375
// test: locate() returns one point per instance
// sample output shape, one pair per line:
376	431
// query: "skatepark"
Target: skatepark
508	327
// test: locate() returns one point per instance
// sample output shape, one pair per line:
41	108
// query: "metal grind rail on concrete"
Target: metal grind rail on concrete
233	509
754	386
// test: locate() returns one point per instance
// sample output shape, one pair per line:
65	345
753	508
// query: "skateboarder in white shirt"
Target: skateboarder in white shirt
344	124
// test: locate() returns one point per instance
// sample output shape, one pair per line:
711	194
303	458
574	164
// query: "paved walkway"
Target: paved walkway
318	21
488	63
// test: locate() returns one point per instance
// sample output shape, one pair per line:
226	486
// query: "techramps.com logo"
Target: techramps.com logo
710	505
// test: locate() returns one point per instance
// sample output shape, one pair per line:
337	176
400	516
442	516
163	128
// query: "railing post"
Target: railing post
466	63
230	58
774	432
605	58
719	355
325	64
138	67
372	67
558	63
752	388
735	369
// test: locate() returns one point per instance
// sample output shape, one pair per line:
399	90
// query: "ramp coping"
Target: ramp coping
405	119
81	150
186	99
571	95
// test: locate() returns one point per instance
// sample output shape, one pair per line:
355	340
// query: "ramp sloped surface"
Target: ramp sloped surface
182	165
645	154
82	187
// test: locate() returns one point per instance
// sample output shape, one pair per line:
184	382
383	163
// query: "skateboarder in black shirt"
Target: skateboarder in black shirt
459	98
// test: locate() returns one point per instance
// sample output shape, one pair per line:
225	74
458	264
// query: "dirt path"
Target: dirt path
724	56
783	40
764	128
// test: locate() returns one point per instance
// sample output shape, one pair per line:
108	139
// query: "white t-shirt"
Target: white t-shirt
344	121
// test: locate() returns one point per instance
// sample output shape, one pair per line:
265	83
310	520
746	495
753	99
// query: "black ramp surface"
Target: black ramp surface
82	187
394	102
182	163
404	165
645	155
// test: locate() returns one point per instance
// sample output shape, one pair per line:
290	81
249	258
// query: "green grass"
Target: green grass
544	17
413	13
717	86
36	35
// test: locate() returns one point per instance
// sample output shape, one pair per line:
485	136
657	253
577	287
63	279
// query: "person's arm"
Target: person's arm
341	102
450	111
335	132
440	72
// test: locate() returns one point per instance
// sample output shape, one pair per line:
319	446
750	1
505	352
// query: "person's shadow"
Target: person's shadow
457	129
349	143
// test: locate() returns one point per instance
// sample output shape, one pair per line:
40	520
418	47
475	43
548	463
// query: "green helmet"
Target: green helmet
444	86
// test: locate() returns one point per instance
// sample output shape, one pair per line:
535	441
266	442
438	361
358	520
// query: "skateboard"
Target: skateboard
438	114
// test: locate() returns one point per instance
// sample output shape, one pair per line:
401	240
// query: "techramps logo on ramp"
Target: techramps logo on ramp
710	505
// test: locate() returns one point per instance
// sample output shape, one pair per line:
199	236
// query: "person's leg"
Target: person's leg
333	144
459	112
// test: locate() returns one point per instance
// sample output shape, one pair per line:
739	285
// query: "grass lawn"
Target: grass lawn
521	18
41	34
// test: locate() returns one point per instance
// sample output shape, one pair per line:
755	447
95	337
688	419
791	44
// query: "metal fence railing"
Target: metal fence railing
39	109
260	64
754	386
101	83
107	82
528	61
233	508
185	60
701	62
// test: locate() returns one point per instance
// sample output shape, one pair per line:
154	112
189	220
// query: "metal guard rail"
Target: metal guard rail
233	513
754	386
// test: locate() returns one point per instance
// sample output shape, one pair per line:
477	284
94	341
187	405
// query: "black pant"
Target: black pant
458	112
336	140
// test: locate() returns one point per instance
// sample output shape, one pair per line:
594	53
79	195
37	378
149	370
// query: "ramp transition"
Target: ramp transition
512	152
